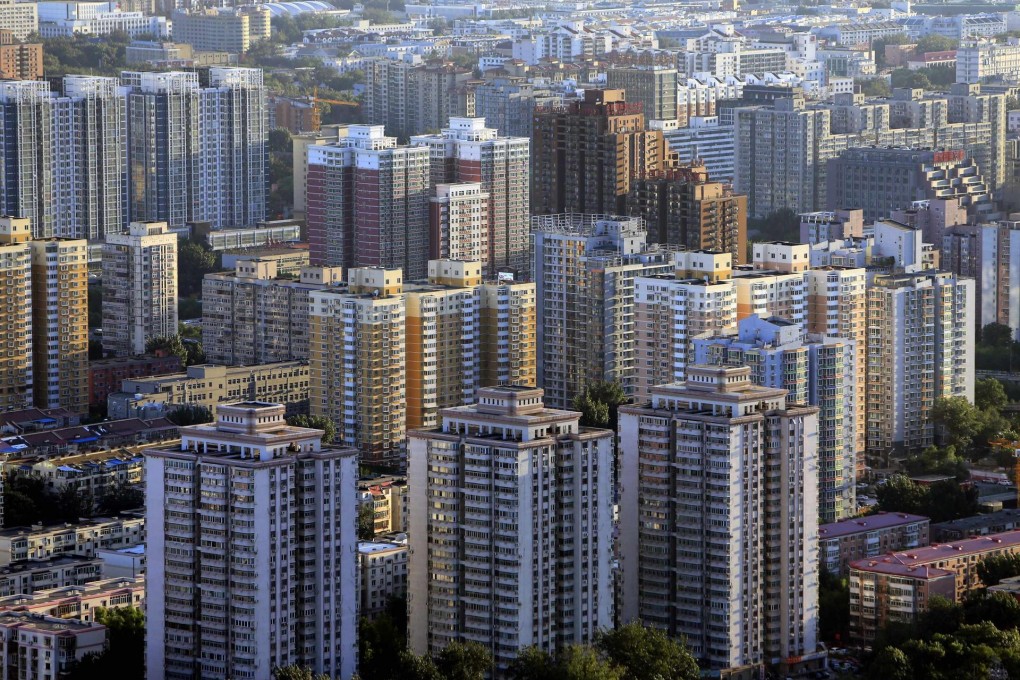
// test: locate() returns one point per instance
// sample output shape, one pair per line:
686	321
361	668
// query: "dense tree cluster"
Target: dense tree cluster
124	658
101	55
29	499
599	403
941	501
975	639
316	423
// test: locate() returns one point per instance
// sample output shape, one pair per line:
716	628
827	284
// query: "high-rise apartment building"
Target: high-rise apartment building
654	87
368	202
18	60
507	103
837	307
683	207
670	310
16	378
920	348
783	149
585	268
139	287
232	30
26	153
815	370
587	153
443	340
468	151
510	519
718	521
770	293
988	253
255	563
458	223
64	156
509	335
60	323
879	181
413	98
91	162
253	317
20	18
182	168
357	360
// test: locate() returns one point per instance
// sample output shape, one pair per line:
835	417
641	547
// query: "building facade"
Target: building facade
718	523
139	288
216	600
495	558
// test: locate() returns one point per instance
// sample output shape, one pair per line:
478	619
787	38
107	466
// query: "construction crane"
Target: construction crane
316	100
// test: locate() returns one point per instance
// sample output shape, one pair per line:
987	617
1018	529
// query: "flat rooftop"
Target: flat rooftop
944	551
856	525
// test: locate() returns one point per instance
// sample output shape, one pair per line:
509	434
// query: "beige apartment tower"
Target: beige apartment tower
139	288
357	362
16	313
509	337
60	323
442	334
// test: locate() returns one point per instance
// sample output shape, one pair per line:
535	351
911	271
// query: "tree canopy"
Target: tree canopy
599	402
323	423
941	501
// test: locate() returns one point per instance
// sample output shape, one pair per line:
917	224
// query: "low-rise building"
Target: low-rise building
883	592
382	574
290	258
82	539
263	233
209	385
978	525
18	60
105	375
43	647
897	586
123	562
388	496
29	576
840	543
81	601
93	472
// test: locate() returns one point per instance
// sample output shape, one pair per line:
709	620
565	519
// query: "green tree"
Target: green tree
1001	610
781	225
20	508
900	494
644	653
957	420
599	403
890	664
323	423
936	43
875	87
464	661
533	663
414	667
73	504
992	570
580	662
989	394
119	497
190	415
280	141
295	672
382	641
996	335
366	521
194	261
171	345
833	606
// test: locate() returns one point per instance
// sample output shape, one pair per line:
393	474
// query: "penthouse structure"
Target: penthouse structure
514	455
727	559
208	590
